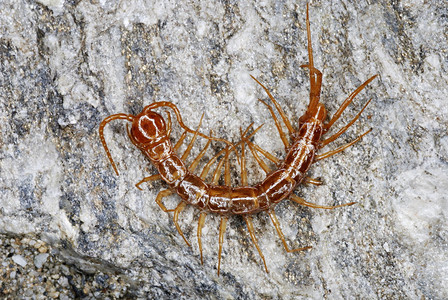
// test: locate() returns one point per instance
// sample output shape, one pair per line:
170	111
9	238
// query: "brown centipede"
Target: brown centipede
150	133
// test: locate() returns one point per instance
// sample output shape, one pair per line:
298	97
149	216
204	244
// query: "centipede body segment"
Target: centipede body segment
150	133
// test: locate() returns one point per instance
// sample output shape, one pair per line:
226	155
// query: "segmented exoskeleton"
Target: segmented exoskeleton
151	134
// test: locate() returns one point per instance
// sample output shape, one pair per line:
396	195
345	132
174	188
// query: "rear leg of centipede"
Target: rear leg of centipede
341	148
346	102
281	112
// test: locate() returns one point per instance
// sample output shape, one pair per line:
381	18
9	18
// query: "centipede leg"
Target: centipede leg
340	149
243	162
250	227
201	223
201	154
160	196
222	229
262	164
178	209
193	139
279	108
180	141
303	202
277	124
343	129
207	166
218	171
280	233
265	153
312	181
147	179
347	102
227	170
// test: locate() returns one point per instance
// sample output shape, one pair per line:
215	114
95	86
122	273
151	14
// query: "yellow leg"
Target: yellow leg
277	124
195	163
279	108
340	149
250	227
343	129
312	181
347	102
200	225
303	202
222	229
190	145
280	233
146	179
160	196
262	164
178	209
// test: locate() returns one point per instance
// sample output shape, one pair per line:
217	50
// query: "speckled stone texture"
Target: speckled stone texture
66	65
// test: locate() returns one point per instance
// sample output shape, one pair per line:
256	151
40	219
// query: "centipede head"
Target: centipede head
147	128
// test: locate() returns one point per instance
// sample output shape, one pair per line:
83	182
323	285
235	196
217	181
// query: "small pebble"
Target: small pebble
40	259
63	281
19	259
43	249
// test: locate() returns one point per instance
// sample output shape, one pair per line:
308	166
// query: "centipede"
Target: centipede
150	132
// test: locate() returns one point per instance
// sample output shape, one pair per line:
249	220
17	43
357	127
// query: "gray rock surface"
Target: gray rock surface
66	65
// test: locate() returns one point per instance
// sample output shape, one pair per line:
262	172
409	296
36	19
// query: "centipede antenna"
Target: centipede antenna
129	118
179	119
168	124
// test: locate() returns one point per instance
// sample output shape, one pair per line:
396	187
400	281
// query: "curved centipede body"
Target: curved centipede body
150	132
